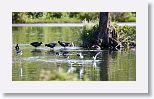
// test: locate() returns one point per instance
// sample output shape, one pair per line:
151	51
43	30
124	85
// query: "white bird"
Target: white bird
94	60
72	44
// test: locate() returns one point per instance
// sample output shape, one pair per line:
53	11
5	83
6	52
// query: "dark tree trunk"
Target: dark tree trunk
102	36
103	31
106	35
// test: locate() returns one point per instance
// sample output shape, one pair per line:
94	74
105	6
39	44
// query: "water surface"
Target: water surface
63	63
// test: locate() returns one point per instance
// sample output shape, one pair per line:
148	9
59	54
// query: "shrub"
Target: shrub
87	34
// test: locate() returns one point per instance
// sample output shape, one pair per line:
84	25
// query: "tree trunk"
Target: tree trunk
103	31
102	36
106	35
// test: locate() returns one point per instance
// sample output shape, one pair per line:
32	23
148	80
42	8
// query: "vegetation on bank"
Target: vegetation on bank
125	34
98	32
68	17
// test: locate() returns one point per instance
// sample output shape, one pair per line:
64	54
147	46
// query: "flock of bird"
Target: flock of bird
51	46
71	69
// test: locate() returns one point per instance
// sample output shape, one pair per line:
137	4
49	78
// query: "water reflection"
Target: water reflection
51	52
36	52
70	63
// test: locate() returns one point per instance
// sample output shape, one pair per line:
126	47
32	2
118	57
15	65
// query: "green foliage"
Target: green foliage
67	17
63	76
87	34
125	34
123	17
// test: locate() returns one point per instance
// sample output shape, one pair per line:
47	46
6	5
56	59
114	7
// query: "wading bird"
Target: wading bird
64	44
51	45
18	51
36	44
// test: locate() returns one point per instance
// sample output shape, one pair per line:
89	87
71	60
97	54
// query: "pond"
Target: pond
66	64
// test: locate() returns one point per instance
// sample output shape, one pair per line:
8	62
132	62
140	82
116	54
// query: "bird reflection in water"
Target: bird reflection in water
81	73
94	60
51	52
65	54
36	51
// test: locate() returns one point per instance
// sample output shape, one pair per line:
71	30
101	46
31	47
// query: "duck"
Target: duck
18	51
36	44
17	47
51	45
80	55
64	44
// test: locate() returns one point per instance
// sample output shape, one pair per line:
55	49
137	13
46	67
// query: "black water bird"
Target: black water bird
17	47
18	51
64	44
51	45
36	44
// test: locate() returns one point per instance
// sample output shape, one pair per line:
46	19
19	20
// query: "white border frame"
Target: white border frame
138	86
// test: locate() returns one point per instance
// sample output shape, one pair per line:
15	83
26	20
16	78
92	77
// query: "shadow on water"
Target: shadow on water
104	66
106	63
